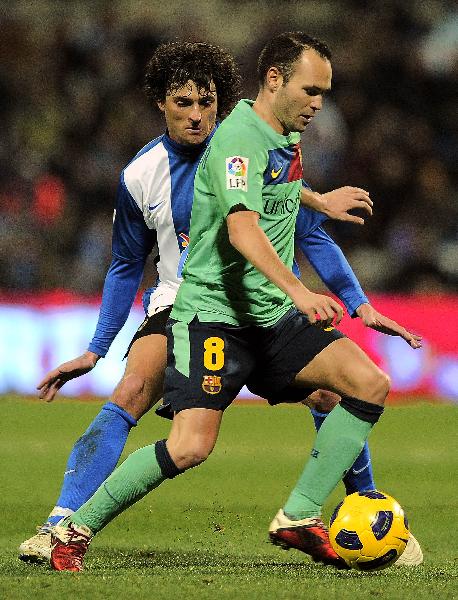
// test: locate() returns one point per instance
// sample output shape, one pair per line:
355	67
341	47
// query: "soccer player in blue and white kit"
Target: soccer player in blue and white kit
192	84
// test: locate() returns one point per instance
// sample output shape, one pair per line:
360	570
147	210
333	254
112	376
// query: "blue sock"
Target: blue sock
93	457
360	477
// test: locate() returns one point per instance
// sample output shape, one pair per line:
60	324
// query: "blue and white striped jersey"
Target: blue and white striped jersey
152	215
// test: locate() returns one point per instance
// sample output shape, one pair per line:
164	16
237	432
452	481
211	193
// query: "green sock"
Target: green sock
338	442
134	478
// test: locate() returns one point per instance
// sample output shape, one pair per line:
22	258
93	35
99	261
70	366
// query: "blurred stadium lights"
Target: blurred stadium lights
42	334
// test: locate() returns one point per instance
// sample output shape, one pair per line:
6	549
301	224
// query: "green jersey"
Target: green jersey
246	163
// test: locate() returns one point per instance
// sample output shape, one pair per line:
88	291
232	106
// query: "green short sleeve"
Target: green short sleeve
236	172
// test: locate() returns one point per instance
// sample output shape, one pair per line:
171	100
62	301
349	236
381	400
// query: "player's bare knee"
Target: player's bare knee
386	384
193	454
130	395
378	387
197	458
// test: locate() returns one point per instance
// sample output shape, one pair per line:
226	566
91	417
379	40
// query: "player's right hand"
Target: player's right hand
320	309
339	202
55	379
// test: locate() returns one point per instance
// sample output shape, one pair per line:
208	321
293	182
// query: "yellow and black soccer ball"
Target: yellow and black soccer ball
369	530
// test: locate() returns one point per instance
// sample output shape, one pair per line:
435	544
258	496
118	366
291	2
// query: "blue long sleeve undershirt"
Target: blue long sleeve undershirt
121	285
132	242
329	262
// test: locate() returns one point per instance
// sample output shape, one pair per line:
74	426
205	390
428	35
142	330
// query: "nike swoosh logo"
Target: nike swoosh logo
70	471
358	471
275	174
402	539
152	207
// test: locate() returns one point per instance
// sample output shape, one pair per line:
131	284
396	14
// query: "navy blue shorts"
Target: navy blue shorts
209	363
155	324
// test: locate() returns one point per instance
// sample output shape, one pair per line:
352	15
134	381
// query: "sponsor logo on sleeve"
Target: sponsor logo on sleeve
237	173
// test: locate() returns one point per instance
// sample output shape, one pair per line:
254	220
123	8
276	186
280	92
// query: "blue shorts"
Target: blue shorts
155	324
208	363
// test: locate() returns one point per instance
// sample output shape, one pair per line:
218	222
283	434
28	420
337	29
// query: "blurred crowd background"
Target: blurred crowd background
73	113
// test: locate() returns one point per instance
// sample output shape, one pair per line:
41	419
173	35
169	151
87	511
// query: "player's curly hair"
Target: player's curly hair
175	63
283	50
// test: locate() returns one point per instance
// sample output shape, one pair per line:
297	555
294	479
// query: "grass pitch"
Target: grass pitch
204	534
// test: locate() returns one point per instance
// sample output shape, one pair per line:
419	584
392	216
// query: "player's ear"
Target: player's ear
161	105
274	79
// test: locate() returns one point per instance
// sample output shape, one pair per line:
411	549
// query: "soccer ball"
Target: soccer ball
369	530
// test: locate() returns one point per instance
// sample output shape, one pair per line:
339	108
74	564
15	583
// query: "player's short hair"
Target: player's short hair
283	50
175	63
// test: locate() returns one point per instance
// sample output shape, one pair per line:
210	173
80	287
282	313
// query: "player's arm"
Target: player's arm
132	242
333	268
249	239
336	204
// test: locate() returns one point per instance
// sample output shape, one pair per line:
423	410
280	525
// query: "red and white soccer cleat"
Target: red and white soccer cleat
307	535
37	549
69	544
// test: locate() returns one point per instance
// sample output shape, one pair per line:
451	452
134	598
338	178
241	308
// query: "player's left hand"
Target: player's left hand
375	320
336	204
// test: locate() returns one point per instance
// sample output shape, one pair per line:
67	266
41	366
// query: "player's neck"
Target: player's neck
263	108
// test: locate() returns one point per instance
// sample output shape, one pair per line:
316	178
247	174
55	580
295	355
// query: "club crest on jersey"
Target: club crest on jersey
236	173
211	384
184	239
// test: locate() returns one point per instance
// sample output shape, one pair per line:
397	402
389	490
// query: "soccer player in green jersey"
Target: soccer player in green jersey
242	317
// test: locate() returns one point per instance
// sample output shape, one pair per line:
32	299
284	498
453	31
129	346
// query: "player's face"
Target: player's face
190	113
299	100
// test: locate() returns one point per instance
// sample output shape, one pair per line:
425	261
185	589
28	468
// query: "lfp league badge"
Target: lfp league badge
237	173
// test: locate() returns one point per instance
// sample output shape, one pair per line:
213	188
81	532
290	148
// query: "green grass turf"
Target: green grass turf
203	535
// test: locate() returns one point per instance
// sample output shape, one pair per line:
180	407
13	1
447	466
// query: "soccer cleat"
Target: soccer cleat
412	555
307	535
37	549
69	544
